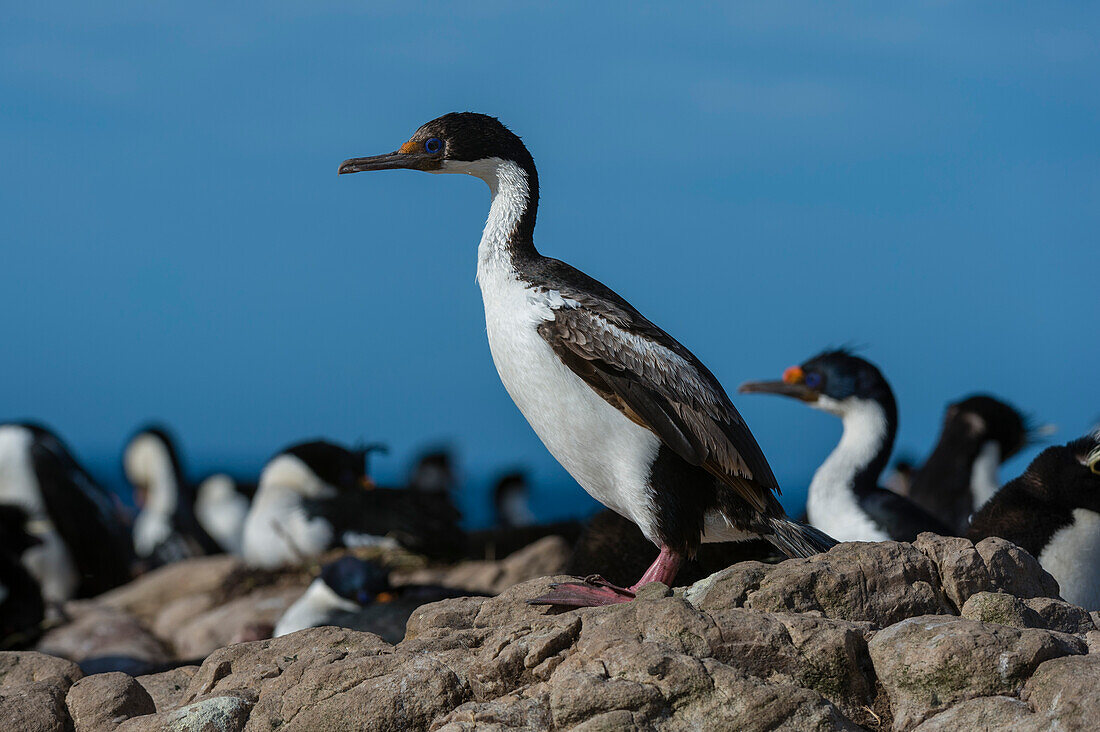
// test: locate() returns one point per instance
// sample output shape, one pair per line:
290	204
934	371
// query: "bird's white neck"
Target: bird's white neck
510	193
149	464
865	431
984	481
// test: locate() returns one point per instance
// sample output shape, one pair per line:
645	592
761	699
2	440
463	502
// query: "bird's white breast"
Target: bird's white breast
606	453
1072	556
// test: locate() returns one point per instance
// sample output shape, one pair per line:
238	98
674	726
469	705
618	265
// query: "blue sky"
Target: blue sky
761	180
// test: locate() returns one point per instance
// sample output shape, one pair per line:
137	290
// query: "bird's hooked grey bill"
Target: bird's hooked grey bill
782	388
411	160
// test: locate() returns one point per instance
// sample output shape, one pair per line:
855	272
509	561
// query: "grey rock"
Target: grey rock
1001	608
103	701
881	583
222	625
1066	691
36	706
101	638
32	691
992	565
986	714
21	667
214	714
167	688
1060	615
927	664
146	596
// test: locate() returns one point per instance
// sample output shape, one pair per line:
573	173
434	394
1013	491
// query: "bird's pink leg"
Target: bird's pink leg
595	590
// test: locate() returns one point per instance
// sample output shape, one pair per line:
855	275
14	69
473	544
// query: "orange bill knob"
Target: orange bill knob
794	375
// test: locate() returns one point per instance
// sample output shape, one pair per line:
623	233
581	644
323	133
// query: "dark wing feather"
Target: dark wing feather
899	517
659	384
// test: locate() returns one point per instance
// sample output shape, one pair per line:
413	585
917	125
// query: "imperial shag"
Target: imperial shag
632	414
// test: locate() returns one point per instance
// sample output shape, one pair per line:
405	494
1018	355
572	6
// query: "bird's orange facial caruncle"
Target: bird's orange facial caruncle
794	375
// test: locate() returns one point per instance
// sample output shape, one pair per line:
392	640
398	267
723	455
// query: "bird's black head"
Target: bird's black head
334	465
358	580
453	143
1068	475
832	381
983	418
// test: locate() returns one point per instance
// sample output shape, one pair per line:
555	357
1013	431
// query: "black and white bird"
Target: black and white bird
511	505
316	495
634	417
166	528
343	588
84	541
979	433
356	593
1053	511
844	498
433	471
221	506
21	605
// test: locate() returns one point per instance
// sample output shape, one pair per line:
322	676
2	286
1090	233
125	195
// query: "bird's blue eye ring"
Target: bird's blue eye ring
813	380
433	145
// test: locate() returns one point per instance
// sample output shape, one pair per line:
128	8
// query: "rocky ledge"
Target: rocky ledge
935	635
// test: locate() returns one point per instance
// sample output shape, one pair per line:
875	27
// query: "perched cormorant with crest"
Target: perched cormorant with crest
316	495
844	498
632	414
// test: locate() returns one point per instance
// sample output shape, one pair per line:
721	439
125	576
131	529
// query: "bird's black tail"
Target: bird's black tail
798	540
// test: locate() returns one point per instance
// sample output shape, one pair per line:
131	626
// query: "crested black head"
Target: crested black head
448	144
334	465
983	418
358	580
832	381
465	142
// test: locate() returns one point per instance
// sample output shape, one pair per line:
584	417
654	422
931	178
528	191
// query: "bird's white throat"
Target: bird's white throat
510	194
832	505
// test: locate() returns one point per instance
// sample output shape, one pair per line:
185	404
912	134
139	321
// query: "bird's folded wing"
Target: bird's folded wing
659	385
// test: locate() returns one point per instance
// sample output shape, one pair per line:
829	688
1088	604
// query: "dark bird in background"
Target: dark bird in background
21	605
637	420
433	472
84	540
844	498
166	528
316	495
978	434
1053	511
514	524
511	501
344	587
